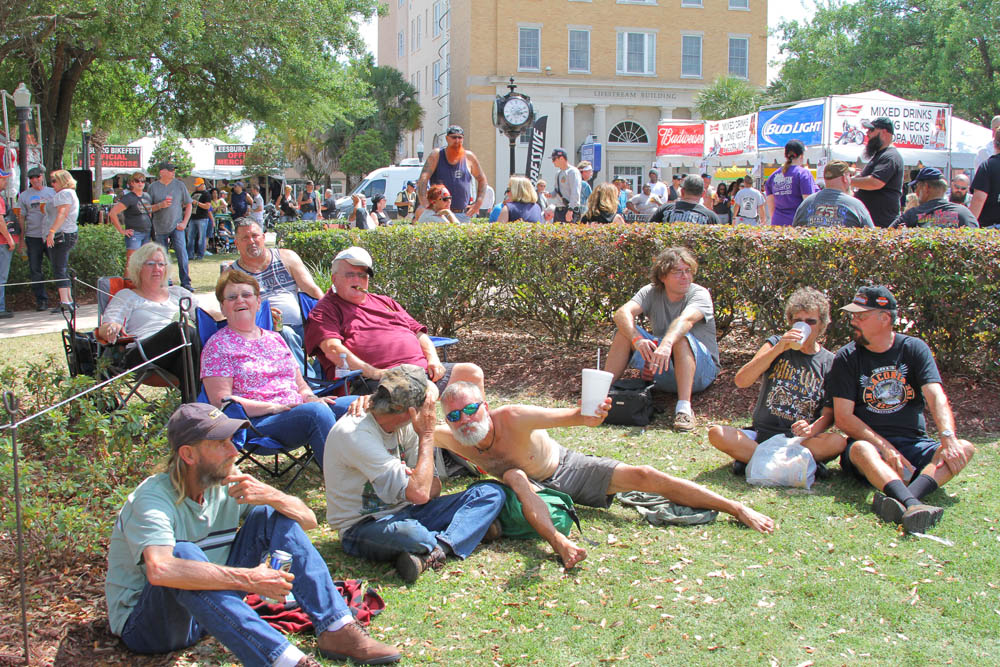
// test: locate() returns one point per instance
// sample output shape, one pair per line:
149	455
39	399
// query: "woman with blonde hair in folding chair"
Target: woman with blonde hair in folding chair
149	312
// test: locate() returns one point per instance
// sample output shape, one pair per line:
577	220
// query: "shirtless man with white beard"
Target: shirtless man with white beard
511	444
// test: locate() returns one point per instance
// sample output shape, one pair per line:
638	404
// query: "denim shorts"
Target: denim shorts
918	451
137	239
705	369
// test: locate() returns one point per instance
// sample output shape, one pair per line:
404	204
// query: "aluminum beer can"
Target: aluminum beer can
278	560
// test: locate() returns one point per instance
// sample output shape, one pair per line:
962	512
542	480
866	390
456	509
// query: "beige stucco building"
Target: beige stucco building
607	68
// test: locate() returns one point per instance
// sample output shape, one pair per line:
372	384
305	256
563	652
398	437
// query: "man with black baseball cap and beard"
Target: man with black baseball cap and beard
180	562
880	383
880	185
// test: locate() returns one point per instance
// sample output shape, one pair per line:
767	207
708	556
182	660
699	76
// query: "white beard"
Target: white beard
472	433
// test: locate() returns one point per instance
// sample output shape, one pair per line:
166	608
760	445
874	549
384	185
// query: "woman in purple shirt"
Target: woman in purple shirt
788	186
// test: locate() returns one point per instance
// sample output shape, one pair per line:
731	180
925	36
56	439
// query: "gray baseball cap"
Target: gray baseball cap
193	422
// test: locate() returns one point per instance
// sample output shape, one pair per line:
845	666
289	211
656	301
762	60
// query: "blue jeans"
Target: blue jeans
293	334
137	240
5	255
168	619
705	369
306	423
459	520
311	215
179	241
197	234
36	251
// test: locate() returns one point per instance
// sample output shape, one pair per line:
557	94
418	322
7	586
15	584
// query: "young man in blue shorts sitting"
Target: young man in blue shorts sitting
879	384
680	354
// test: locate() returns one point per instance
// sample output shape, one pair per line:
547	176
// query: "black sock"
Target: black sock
922	486
896	489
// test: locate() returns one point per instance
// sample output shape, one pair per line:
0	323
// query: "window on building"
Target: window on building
636	53
416	41
437	78
692	3
739	57
437	18
529	49
628	132
691	55
632	174
579	50
525	137
400	44
413	35
416	83
739	4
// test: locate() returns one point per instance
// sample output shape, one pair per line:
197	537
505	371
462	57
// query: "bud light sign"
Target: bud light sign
804	122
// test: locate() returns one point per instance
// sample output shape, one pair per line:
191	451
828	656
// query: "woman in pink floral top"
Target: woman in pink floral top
254	367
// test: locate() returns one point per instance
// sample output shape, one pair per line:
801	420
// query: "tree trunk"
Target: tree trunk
98	139
54	93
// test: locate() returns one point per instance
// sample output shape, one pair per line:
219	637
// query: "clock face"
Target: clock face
516	111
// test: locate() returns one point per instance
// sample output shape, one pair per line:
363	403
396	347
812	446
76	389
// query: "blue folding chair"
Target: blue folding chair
259	449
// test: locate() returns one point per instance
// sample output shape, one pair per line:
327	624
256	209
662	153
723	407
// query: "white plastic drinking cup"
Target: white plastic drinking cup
805	329
595	389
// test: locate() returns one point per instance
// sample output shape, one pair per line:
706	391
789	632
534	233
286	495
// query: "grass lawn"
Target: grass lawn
832	585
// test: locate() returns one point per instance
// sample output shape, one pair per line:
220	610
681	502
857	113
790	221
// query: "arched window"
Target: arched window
628	132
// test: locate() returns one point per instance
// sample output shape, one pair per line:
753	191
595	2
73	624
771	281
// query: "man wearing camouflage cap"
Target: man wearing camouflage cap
180	562
381	491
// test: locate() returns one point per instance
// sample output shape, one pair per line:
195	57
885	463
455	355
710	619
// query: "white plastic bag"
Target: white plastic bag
782	461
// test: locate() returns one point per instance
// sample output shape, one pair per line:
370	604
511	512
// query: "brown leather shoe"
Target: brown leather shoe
352	642
494	532
410	566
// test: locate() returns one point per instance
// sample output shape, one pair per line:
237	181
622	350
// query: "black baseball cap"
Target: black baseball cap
557	152
881	123
411	184
169	166
35	171
871	297
927	174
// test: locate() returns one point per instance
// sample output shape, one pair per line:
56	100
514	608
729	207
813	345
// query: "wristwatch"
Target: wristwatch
947	433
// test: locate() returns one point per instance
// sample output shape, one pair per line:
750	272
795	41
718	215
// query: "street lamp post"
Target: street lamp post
85	160
22	103
420	150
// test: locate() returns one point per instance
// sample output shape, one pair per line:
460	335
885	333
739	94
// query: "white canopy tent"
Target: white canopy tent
202	151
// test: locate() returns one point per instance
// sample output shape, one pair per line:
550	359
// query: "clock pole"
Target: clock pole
512	114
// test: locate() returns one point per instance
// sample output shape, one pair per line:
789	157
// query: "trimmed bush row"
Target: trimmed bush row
570	278
99	251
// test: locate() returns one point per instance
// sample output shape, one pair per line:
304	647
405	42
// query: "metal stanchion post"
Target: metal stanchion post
10	404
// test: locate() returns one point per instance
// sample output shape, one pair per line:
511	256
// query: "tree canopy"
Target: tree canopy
193	66
728	97
170	150
932	50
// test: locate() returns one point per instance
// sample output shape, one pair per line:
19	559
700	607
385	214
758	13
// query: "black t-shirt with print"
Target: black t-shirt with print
791	389
203	196
938	213
987	179
685	211
883	204
886	387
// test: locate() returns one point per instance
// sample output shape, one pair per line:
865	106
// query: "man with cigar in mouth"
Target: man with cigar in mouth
373	331
453	167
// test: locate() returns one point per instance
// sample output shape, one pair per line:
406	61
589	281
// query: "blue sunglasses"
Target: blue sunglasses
469	409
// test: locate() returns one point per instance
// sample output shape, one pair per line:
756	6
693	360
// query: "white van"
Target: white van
386	181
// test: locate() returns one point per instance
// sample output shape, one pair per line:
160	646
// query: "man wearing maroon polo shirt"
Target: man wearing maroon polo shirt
374	331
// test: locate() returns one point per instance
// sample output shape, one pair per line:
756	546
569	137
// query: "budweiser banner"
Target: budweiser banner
731	136
536	149
230	155
917	124
680	137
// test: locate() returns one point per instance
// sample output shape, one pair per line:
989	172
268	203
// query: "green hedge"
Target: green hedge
99	251
568	278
